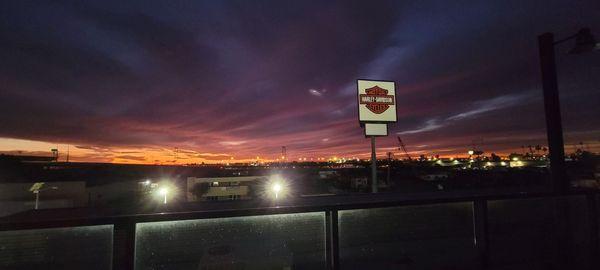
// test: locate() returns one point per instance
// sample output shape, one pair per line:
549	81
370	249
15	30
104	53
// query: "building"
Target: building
223	188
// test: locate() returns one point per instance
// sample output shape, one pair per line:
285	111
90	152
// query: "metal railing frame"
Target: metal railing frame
124	226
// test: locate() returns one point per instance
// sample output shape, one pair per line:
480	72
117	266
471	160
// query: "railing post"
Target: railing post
124	245
592	206
562	217
332	239
481	233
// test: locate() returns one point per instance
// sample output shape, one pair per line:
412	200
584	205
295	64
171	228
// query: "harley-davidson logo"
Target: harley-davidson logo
376	99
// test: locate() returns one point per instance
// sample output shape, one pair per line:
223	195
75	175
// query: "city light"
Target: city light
471	152
517	163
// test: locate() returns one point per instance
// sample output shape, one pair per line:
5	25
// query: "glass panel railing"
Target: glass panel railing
416	237
580	243
523	233
88	247
288	241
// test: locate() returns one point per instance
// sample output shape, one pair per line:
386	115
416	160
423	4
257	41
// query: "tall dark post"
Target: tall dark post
373	166
552	112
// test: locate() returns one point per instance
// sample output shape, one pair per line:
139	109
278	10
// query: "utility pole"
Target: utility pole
552	111
584	42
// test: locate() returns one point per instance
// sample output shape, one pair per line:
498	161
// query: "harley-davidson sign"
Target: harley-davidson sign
376	101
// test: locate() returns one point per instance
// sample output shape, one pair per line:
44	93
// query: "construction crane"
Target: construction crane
403	148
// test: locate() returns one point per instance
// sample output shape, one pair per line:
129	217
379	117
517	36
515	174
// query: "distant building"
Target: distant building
26	158
223	188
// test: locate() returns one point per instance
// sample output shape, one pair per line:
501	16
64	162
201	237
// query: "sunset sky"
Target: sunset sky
130	81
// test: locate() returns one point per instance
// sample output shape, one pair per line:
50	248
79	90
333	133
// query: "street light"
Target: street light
36	189
584	42
163	192
276	188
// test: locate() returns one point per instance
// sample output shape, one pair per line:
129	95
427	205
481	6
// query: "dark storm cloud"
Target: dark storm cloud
247	77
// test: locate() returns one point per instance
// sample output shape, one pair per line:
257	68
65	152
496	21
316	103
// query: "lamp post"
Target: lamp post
163	193
584	42
37	195
276	189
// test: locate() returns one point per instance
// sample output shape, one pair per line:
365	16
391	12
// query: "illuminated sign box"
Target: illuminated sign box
375	129
376	101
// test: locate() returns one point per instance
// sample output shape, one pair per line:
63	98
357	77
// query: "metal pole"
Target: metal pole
37	199
123	244
373	166
481	229
332	244
592	208
552	112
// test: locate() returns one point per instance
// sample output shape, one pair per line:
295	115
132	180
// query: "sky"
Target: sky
212	81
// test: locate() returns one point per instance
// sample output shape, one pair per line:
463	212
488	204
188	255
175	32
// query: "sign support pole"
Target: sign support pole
373	166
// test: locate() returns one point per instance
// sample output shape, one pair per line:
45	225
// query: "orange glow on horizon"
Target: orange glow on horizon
182	156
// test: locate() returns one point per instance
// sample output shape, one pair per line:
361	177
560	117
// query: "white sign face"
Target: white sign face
376	101
376	129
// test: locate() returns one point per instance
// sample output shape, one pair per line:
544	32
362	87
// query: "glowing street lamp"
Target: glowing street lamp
276	187
36	189
164	191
